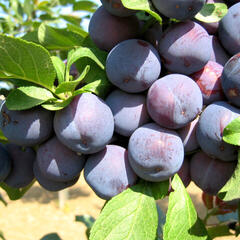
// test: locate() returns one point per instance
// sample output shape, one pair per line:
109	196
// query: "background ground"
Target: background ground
38	213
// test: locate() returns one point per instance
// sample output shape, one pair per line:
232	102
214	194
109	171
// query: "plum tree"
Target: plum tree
86	125
57	162
209	81
116	29
129	111
21	173
185	47
5	163
174	100
51	185
26	127
212	122
133	65
115	7
179	9
108	172
228	30
230	80
210	174
155	153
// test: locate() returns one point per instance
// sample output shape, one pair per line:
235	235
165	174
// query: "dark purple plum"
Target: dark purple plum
179	9
230	80
210	174
218	54
50	185
133	65
115	7
129	111
108	172
212	122
86	125
107	30
154	34
5	163
185	47
155	153
26	127
188	136
57	162
184	172
174	101
21	174
228	30
209	81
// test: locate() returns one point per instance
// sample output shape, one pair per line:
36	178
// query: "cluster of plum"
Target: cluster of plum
174	91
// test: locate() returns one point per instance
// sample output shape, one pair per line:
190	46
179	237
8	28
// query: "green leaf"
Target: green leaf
130	215
212	12
60	68
27	97
229	190
182	221
3	139
72	19
51	236
77	29
15	193
70	86
143	5
231	133
219	231
31	37
2	236
57	105
58	39
28	7
85	6
159	189
99	57
27	61
86	219
99	87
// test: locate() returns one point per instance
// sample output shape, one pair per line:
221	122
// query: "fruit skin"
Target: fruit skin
5	163
209	81
185	47
106	30
174	101
230	80
228	31
129	111
86	125
210	174
115	7
188	136
218	54
133	65
212	122
155	153
26	127
108	172
57	162
21	174
184	172
179	9
50	185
